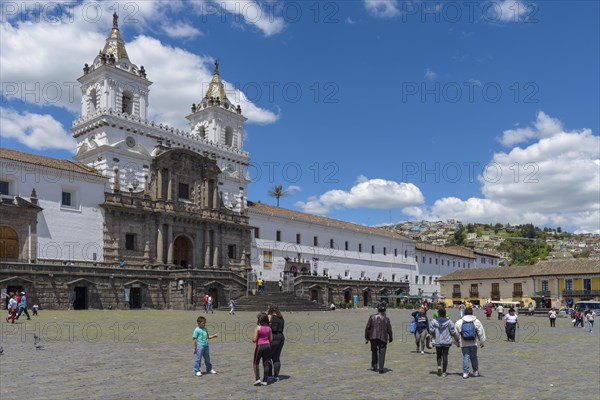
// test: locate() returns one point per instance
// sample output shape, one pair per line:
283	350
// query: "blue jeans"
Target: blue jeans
470	354
591	324
202	351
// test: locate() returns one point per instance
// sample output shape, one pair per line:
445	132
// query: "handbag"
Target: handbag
429	342
413	327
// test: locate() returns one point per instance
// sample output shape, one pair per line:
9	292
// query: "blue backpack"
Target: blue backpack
468	331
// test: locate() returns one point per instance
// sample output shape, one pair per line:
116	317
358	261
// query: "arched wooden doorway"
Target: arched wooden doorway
366	298
214	293
314	295
9	243
347	296
182	253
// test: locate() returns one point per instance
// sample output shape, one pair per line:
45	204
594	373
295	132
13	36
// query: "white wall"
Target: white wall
63	232
336	260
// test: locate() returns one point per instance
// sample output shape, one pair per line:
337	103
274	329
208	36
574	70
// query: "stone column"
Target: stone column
170	245
147	235
159	183
207	245
160	259
170	186
215	197
216	253
205	193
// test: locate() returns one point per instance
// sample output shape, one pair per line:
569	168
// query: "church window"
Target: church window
201	131
93	100
67	199
232	252
278	236
360	247
315	241
130	241
228	136
256	233
184	191
298	238
127	103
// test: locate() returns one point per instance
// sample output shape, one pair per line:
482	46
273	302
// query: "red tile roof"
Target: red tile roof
260	207
65	165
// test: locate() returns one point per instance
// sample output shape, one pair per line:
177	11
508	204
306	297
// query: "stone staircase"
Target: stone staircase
285	301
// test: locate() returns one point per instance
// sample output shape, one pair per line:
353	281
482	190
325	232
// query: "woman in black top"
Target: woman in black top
277	326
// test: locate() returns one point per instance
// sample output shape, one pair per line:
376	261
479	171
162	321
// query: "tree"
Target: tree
459	236
497	227
278	192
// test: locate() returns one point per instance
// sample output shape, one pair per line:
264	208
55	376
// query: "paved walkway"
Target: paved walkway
148	354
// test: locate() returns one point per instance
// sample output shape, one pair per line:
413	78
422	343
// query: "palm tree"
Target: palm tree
278	192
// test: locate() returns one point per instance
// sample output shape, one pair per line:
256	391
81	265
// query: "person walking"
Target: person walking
379	332
23	307
277	325
201	338
422	328
12	308
280	284
552	317
511	324
443	331
210	305
488	311
462	308
263	336
205	302
590	319
231	307
500	311
470	332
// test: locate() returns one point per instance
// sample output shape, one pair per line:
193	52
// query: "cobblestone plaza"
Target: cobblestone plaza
148	354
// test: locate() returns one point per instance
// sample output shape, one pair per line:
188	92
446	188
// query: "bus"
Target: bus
588	305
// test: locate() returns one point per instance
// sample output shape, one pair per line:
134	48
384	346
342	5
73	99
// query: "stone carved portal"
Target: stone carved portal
182	256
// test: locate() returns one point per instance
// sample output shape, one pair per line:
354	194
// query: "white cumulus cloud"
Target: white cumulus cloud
366	193
382	8
39	132
554	181
181	30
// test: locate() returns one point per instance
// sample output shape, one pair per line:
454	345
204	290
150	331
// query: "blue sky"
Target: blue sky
368	111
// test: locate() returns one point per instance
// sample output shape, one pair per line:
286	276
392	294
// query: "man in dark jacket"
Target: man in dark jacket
379	332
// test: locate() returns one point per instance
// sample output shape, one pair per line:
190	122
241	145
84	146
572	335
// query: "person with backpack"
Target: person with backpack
422	320
443	331
470	332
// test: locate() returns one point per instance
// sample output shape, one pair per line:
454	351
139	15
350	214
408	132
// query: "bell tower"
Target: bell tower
216	119
113	82
111	132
